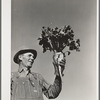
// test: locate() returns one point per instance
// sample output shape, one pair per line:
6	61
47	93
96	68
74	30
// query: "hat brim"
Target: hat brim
22	52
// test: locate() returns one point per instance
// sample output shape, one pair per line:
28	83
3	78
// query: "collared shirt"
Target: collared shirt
33	87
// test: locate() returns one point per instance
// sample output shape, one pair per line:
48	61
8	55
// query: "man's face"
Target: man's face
27	59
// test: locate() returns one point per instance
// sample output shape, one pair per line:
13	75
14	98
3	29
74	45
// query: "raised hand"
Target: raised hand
59	61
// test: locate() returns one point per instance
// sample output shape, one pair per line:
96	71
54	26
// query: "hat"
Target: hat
22	52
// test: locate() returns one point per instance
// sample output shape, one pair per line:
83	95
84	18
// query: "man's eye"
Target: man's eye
29	55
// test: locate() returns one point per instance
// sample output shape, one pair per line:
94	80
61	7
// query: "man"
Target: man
26	85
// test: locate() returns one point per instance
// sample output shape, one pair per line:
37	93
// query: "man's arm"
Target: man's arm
53	91
14	75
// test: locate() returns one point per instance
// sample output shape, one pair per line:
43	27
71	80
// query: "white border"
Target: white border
6	49
97	49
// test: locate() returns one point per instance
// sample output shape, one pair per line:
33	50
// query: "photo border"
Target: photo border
5	53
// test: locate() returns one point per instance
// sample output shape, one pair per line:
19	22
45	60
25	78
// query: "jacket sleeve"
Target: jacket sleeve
13	84
52	91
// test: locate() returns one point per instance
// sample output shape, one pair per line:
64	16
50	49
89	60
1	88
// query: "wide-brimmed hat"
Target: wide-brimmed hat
16	60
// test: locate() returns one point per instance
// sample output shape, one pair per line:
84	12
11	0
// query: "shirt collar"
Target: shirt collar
21	70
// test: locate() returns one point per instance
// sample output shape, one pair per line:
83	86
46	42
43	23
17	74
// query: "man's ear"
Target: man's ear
20	57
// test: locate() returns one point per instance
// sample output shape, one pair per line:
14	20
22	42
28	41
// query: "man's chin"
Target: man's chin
30	66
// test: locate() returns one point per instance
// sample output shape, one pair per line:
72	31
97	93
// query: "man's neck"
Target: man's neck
23	71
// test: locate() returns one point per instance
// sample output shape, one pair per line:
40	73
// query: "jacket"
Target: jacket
33	87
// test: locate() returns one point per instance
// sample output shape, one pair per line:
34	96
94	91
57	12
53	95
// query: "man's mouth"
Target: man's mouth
31	61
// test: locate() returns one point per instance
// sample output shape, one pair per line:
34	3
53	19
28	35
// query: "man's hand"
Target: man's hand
59	60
